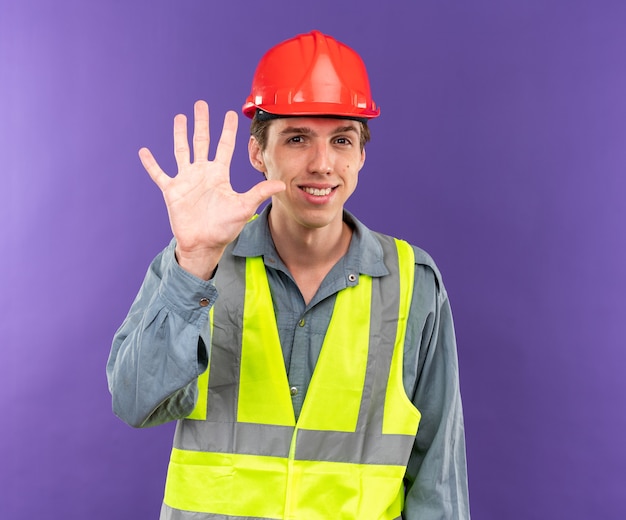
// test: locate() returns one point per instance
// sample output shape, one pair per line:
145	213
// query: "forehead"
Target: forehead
314	125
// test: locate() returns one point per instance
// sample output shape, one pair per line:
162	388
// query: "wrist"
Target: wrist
201	264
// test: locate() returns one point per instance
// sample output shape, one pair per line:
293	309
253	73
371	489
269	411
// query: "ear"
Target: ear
362	159
255	154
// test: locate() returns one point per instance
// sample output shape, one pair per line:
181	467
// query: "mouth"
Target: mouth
317	192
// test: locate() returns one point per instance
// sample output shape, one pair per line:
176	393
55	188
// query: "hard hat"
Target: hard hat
311	74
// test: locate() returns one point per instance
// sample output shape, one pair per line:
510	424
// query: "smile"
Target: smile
317	191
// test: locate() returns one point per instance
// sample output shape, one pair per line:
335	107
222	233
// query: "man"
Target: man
299	351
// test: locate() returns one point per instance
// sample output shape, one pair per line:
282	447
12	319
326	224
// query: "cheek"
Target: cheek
351	172
350	178
355	180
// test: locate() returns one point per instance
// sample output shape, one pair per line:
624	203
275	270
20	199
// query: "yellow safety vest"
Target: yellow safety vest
241	453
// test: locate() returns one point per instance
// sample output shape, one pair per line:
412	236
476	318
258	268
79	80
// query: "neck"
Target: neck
309	253
308	247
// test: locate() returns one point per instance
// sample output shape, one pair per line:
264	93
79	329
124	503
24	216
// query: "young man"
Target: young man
299	351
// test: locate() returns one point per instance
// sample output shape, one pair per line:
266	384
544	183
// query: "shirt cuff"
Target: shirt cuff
187	295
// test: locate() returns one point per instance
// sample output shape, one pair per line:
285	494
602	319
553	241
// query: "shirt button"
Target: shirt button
301	323
204	302
352	277
293	390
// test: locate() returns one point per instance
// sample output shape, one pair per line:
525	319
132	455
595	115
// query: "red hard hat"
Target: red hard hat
311	74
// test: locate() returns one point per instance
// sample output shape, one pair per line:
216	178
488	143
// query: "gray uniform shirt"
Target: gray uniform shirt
161	348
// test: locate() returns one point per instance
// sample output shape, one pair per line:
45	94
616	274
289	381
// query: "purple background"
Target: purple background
501	150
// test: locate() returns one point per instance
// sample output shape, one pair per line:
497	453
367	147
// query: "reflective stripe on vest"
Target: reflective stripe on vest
241	453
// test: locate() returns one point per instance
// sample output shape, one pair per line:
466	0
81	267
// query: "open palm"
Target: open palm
205	213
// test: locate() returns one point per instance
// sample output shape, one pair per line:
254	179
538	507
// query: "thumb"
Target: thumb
263	191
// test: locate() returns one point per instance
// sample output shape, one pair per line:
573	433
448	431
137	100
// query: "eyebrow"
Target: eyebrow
305	130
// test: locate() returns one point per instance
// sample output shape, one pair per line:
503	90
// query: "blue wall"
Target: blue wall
500	150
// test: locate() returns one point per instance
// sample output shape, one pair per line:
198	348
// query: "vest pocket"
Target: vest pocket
226	484
343	491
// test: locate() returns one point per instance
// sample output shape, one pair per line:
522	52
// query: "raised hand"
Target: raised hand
205	213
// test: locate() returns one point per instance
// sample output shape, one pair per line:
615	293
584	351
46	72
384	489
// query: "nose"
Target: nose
321	158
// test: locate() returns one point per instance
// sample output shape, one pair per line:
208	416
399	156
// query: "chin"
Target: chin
319	220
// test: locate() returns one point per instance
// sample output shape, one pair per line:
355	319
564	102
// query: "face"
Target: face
318	159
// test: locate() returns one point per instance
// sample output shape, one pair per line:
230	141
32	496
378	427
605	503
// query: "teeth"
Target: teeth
317	192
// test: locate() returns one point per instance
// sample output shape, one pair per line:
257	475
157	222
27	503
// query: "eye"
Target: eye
343	141
296	139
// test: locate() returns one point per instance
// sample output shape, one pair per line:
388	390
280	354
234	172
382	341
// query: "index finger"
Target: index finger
226	146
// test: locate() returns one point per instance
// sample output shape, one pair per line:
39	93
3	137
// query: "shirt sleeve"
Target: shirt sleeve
161	347
436	476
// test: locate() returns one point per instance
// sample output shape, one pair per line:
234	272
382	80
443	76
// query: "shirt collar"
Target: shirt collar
365	254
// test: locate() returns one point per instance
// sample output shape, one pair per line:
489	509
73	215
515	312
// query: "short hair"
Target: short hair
259	126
